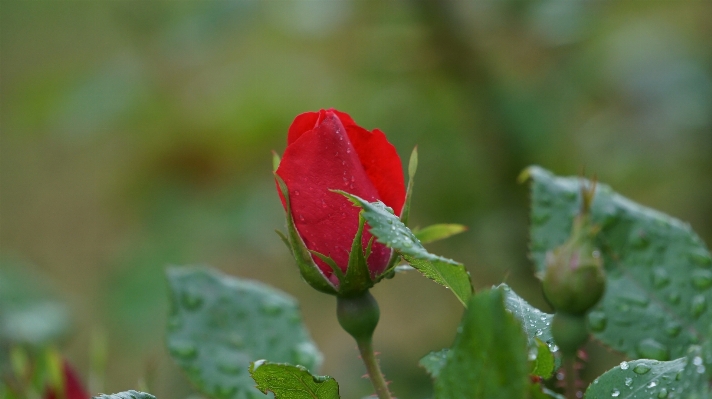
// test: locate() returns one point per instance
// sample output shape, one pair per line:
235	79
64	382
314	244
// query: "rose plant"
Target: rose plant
633	279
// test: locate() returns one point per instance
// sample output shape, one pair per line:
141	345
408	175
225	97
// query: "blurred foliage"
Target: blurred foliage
138	134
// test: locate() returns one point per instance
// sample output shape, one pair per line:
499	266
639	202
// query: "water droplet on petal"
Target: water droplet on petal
296	192
301	217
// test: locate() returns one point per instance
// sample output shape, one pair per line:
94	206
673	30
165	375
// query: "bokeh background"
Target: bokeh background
137	134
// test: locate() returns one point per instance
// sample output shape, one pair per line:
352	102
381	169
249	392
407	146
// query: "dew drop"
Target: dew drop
301	217
701	257
628	382
296	193
271	308
323	204
624	366
539	332
652	384
348	150
702	279
641	369
183	350
663	393
652	349
698	305
191	301
597	321
674	297
673	329
660	278
615	393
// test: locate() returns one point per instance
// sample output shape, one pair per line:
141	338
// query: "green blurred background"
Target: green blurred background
137	134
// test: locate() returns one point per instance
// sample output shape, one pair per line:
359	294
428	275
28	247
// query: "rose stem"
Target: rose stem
365	347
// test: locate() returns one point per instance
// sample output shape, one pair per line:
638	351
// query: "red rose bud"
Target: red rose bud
71	386
326	151
574	280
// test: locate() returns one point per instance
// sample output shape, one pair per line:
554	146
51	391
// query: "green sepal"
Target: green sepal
285	240
437	232
275	161
332	264
412	168
358	278
307	267
287	381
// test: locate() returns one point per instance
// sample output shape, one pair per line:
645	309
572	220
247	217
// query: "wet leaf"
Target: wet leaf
686	377
389	230
126	395
220	324
489	357
658	271
292	382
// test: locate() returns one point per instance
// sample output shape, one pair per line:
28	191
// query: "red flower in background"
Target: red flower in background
327	150
73	388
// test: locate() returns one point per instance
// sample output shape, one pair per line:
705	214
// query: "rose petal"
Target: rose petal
382	164
319	160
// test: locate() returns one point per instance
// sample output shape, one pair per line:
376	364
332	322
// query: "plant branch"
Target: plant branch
365	347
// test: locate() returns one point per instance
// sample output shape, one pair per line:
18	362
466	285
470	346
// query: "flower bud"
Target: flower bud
574	280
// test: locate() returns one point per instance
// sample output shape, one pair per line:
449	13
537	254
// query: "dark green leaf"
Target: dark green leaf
390	231
537	391
543	363
219	324
686	377
658	271
438	232
292	382
433	362
126	395
489	357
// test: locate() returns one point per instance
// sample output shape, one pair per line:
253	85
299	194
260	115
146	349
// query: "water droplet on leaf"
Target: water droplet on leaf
698	305
597	321
702	279
652	349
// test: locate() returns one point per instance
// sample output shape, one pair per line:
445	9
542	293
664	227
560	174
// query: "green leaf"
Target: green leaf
412	168
219	324
126	395
543	363
536	324
658	271
686	377
292	382
438	232
389	230
433	362
307	267
275	161
489	357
